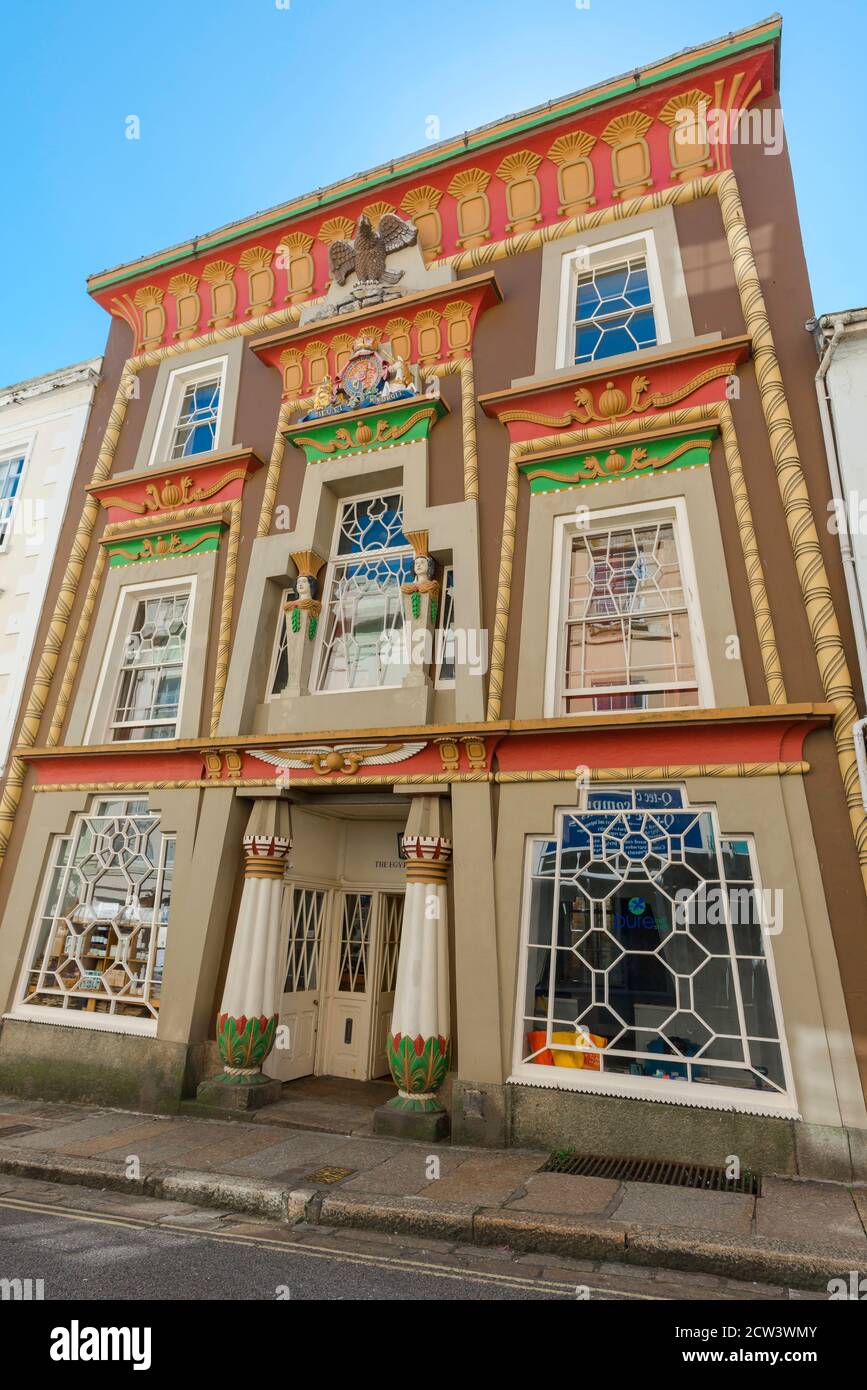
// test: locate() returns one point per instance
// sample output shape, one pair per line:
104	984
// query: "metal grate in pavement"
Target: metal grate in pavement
667	1174
324	1176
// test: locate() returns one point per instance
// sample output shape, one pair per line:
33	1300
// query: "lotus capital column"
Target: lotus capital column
419	1041
247	1020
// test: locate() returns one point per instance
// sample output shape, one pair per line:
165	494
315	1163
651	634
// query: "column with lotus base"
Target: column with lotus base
247	1021
419	1042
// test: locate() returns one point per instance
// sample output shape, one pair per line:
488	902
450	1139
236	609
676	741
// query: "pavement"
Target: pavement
796	1234
75	1243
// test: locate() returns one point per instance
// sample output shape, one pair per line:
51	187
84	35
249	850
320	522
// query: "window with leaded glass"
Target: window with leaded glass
363	643
646	954
613	310
152	669
100	940
626	640
196	428
445	636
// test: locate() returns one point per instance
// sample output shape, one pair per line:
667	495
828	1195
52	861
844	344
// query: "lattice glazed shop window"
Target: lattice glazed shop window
626	636
445	637
101	938
613	310
196	430
363	638
11	470
152	670
647	963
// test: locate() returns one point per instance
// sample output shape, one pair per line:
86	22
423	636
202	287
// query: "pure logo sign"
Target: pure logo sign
76	1343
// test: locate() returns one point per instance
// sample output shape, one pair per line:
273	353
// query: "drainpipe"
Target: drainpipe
838	323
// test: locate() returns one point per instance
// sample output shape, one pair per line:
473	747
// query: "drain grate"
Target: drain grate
669	1174
326	1176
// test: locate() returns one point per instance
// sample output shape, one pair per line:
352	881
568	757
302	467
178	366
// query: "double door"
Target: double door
340	968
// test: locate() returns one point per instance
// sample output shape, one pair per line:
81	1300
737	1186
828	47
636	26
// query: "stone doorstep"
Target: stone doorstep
754	1259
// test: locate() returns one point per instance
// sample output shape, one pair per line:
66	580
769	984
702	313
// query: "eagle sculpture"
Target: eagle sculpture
367	254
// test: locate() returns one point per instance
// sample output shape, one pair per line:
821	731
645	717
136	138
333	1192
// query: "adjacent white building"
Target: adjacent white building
841	386
42	425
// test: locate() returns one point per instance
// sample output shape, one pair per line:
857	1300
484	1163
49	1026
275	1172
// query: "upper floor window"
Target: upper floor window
151	677
362	644
612	301
629	633
196	430
11	470
445	638
191	414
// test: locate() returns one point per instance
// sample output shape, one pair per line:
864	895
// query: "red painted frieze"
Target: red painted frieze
597	396
530	178
182	485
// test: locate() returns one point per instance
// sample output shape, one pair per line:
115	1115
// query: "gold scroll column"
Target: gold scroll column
749	544
824	629
463	367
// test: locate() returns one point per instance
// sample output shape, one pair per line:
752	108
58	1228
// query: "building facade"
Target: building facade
447	672
42	424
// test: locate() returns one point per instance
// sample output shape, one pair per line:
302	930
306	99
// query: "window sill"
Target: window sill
661	1092
620	362
67	1018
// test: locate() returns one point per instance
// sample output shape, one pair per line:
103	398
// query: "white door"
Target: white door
348	1026
304	916
389	922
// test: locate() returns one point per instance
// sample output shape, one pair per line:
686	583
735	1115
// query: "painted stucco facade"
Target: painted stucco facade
342	857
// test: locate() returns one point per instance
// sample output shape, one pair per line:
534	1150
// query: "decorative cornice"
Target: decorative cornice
538	119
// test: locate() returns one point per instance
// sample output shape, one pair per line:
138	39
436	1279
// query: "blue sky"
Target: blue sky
244	103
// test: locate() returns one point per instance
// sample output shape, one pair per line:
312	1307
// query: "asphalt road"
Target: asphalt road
88	1245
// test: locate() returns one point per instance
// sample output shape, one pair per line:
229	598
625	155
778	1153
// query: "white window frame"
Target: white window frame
75	1018
279	638
602	520
440	682
23	451
173	396
108	685
649	1088
608	253
334	560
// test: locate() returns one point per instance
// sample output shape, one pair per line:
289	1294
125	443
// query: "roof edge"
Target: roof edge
651	74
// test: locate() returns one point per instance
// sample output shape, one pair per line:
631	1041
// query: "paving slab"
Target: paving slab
407	1173
318	1114
646	1204
487	1179
243	1142
567	1193
358	1153
102	1144
859	1197
92	1126
295	1152
819	1214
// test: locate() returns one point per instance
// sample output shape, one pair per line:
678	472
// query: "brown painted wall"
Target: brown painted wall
504	350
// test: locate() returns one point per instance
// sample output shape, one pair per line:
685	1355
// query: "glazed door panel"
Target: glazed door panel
390	919
353	954
305	915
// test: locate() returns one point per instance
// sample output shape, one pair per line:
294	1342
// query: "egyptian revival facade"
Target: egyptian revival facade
446	671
